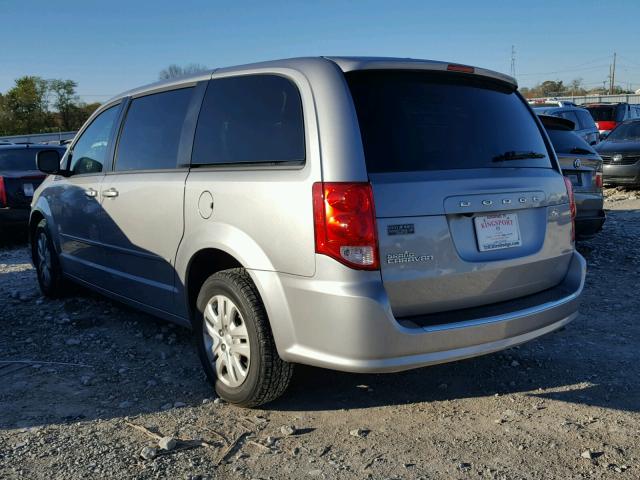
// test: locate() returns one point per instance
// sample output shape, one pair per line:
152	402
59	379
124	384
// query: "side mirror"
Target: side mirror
48	161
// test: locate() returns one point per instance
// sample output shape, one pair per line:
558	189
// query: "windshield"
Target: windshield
416	121
603	113
568	142
626	132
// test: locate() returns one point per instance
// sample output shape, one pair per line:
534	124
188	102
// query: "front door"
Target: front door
75	199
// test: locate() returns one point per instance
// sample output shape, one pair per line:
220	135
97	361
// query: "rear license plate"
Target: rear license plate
498	231
575	178
27	188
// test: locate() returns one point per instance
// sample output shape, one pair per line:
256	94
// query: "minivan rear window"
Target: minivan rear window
606	113
417	120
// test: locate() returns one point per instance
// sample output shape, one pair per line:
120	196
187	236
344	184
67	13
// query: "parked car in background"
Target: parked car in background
583	166
608	115
19	177
359	214
620	152
585	127
549	102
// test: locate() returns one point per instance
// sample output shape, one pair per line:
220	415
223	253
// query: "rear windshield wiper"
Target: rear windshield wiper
580	150
513	155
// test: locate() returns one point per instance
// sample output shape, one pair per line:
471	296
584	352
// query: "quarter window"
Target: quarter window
152	129
90	151
250	119
572	116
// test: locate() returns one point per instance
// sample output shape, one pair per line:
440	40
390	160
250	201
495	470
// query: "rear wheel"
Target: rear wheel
234	341
46	262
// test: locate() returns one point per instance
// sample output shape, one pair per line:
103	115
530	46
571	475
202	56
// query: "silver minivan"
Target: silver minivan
358	214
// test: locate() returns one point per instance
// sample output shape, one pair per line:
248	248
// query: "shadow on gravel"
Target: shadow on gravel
114	362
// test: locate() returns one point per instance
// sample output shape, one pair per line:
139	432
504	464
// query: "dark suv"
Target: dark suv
19	178
584	125
583	167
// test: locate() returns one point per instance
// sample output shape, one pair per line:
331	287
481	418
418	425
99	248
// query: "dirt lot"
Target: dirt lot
78	375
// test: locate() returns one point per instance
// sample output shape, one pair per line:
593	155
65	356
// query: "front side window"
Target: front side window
420	120
90	151
250	119
152	129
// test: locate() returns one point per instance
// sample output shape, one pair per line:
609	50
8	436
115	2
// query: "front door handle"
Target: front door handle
111	193
90	192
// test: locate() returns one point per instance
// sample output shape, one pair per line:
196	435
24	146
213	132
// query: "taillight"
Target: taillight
345	223
572	207
599	179
3	193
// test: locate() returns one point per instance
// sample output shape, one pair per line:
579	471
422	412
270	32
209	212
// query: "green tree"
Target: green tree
27	106
65	102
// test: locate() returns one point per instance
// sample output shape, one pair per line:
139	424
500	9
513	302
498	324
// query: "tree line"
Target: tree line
36	105
576	88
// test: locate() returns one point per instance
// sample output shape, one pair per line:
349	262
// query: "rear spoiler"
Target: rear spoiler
349	64
556	123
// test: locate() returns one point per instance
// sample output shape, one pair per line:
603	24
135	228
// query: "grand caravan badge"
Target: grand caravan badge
407	257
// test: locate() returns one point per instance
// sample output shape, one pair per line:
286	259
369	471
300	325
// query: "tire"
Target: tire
45	259
237	350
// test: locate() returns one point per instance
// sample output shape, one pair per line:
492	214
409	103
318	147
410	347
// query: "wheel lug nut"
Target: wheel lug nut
221	332
224	347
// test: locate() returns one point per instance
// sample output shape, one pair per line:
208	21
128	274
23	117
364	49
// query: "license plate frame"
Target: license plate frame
27	188
497	231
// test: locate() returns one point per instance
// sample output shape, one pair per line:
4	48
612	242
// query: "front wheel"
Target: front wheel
234	341
46	262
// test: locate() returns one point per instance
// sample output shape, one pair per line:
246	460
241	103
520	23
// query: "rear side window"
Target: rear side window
20	158
416	121
567	142
586	120
250	119
151	134
573	117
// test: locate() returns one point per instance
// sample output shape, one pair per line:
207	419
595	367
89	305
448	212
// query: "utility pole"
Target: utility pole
613	74
513	61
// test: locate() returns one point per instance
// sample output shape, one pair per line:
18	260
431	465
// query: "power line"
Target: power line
568	70
573	67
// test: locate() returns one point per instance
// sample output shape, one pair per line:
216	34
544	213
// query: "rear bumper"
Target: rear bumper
621	174
18	217
590	213
348	325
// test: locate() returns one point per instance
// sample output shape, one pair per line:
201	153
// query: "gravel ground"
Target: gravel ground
88	387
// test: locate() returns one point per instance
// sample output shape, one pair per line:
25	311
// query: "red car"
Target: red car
608	115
